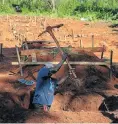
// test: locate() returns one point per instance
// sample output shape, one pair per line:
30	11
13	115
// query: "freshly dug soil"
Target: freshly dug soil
94	80
93	83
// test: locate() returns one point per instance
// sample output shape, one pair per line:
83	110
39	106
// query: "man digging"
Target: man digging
45	87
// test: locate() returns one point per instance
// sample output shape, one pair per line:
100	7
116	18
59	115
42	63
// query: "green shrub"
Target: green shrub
66	7
91	9
6	9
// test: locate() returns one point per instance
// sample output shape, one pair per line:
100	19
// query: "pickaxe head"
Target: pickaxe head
49	29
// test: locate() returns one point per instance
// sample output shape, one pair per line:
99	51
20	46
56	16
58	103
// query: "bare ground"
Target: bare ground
82	108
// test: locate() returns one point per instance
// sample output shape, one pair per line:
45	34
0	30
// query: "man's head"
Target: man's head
49	65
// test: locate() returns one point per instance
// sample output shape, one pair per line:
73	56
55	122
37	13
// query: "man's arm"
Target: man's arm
58	66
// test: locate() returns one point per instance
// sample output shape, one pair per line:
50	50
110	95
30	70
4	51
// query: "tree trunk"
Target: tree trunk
53	4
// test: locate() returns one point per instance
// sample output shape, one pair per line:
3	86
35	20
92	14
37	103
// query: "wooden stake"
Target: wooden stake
26	45
111	57
19	61
80	43
34	59
102	53
72	35
92	41
1	45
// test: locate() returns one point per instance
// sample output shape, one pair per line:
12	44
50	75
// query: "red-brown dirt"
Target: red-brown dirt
83	108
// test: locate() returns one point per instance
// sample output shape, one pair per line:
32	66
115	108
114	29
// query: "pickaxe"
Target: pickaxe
50	31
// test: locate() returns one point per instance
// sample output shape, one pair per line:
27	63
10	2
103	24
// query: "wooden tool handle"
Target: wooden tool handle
57	43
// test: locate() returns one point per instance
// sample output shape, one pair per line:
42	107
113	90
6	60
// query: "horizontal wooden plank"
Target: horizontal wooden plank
72	63
46	51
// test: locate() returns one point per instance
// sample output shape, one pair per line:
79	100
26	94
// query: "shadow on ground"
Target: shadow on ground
10	112
110	104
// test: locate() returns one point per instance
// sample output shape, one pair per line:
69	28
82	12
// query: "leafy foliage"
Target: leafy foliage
91	9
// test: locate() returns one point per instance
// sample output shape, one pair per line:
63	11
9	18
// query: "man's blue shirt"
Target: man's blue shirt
44	93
